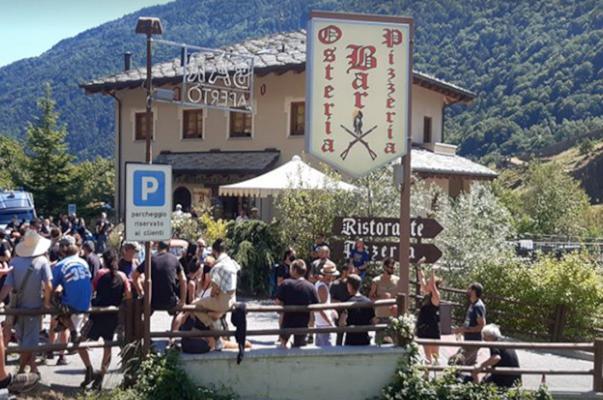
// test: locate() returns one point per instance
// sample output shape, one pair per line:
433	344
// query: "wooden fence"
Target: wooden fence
131	315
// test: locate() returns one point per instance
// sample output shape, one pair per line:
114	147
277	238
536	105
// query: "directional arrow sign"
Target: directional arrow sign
420	228
381	250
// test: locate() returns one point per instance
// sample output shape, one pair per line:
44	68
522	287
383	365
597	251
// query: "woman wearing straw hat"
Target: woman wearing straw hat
30	272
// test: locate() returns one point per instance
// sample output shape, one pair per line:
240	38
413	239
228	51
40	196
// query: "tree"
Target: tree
554	201
477	227
304	214
49	165
12	162
94	184
586	147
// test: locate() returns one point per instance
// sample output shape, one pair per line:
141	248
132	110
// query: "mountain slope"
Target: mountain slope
537	66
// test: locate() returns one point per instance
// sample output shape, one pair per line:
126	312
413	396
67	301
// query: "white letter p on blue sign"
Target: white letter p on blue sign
149	188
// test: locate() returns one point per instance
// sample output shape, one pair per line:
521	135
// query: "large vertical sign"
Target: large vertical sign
148	202
358	89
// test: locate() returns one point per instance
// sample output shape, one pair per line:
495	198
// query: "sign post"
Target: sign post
359	78
149	27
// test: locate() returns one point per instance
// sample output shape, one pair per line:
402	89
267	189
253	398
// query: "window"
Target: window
298	116
192	124
426	129
140	126
240	125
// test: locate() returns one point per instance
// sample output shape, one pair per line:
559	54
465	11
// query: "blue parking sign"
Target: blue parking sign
148	202
149	188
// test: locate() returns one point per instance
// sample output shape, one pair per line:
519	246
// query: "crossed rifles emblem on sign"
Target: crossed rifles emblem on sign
358	137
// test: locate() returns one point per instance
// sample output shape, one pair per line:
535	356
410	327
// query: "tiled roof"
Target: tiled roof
428	162
220	161
277	52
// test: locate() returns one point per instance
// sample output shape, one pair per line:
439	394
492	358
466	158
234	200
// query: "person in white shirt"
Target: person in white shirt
325	318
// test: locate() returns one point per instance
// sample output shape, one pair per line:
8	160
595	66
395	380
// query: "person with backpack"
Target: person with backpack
30	272
111	287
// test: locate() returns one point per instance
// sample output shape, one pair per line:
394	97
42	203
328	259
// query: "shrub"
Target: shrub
160	377
256	246
212	228
410	382
539	290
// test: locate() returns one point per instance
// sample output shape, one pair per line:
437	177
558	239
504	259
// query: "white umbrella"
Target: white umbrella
294	174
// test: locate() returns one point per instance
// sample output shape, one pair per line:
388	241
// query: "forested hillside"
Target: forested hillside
536	65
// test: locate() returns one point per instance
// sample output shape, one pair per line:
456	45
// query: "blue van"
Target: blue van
16	204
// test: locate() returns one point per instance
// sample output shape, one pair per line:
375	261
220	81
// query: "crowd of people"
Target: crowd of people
323	283
61	265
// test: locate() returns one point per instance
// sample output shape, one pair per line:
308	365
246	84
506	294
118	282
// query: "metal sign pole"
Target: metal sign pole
147	246
404	282
148	26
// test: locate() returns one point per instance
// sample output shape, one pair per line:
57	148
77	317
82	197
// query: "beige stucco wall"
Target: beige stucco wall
270	121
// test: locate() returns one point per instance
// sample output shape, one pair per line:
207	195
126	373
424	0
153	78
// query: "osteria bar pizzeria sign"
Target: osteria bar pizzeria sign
358	89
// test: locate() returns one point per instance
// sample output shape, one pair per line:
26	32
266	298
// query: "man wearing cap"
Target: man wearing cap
91	258
128	261
31	271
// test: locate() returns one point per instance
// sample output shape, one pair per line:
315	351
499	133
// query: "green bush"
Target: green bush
255	245
410	382
538	290
160	377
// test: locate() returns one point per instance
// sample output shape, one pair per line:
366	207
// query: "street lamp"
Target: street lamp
148	26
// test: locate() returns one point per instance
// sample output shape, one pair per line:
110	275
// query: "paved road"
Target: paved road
66	379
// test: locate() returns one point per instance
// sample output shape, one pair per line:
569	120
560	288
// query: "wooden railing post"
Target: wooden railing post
598	366
128	320
401	304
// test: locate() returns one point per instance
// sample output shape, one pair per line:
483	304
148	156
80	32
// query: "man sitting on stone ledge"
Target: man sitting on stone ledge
223	287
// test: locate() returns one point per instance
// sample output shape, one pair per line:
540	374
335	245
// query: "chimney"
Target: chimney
127	60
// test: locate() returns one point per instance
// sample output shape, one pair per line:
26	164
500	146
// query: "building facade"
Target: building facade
208	147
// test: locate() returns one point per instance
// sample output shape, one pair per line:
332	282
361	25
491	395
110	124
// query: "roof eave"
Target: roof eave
458	93
443	173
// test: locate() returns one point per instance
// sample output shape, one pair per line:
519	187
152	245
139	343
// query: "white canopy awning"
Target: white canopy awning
294	174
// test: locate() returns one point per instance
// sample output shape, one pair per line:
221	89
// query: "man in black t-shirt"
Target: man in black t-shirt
339	291
475	320
498	358
168	287
296	291
357	316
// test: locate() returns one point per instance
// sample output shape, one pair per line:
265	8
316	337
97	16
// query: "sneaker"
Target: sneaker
88	377
62	361
49	355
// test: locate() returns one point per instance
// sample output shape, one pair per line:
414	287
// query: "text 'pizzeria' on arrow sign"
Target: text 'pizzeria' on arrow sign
379	251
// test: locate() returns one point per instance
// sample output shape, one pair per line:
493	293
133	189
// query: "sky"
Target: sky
30	27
